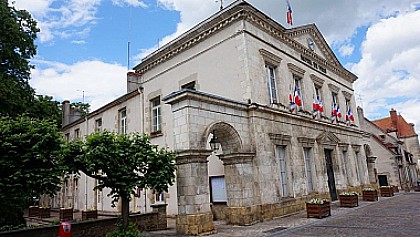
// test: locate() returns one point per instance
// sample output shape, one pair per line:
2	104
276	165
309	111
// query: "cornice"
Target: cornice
244	11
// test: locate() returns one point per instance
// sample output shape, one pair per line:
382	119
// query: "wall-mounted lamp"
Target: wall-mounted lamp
214	142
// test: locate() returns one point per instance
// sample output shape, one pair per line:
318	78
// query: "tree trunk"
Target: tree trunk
125	210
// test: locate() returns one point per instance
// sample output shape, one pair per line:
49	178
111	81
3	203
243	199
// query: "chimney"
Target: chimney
394	118
412	126
66	113
133	81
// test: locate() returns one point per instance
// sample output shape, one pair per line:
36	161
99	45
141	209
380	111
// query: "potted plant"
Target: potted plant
369	194
33	211
318	208
349	199
90	214
45	212
386	191
66	214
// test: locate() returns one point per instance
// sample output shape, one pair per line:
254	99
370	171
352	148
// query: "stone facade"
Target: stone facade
230	78
392	166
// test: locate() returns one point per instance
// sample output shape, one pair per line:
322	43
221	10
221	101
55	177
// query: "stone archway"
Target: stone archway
239	177
195	116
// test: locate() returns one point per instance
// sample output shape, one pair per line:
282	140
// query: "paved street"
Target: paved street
390	216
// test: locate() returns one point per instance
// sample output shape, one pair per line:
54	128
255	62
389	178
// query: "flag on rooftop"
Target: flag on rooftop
289	13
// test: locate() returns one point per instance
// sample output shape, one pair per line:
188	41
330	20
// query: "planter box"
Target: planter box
386	191
45	212
33	211
349	200
318	210
395	188
66	214
370	195
92	214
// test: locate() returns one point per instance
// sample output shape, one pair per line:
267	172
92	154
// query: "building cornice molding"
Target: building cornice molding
243	11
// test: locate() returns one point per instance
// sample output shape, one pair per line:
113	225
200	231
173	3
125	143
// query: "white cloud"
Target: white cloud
78	42
389	70
101	82
346	50
133	3
62	19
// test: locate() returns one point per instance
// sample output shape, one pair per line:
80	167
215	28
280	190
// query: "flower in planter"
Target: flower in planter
349	194
369	189
317	201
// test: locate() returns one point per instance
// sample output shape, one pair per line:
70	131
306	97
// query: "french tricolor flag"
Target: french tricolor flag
289	13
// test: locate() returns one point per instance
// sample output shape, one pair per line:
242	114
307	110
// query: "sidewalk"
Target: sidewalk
386	212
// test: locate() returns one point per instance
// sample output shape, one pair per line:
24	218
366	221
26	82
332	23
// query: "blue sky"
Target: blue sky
82	46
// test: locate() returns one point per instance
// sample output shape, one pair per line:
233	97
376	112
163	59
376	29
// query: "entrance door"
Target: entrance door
383	180
330	174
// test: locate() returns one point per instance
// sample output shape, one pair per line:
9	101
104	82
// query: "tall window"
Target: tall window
308	168
272	84
123	121
156	115
334	98
281	156
346	168
98	125
298	84
358	171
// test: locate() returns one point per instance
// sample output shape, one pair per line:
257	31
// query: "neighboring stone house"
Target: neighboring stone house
228	80
393	165
397	127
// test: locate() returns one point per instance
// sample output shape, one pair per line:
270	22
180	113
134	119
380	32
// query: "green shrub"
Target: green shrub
131	231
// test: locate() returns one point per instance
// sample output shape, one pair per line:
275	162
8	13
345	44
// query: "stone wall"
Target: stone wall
155	220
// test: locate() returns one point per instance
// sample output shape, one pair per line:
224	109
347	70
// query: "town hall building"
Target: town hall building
260	117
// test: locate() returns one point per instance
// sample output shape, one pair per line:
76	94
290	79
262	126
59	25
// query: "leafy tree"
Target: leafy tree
44	107
82	107
29	164
122	162
17	34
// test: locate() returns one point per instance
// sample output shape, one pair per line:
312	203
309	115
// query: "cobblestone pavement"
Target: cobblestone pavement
390	216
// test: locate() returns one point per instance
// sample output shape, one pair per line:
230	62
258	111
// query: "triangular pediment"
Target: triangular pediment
311	38
328	138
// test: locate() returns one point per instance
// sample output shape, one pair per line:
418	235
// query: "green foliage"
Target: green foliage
83	108
17	34
29	164
44	107
130	231
121	162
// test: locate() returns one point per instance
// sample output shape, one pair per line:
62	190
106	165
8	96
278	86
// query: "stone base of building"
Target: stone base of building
250	215
196	224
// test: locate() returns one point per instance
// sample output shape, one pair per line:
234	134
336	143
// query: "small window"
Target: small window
189	85
98	125
272	84
76	133
160	197
67	137
156	114
123	121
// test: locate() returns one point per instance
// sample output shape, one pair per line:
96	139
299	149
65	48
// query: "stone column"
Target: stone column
194	213
239	177
371	166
